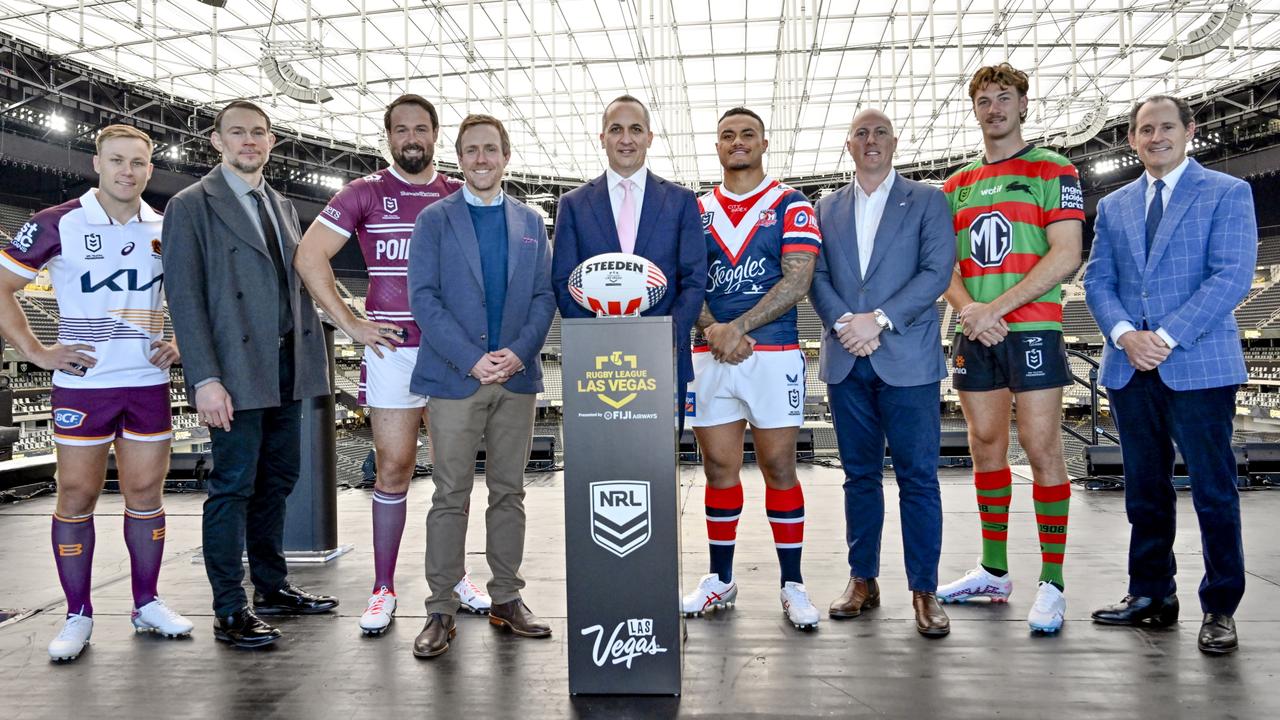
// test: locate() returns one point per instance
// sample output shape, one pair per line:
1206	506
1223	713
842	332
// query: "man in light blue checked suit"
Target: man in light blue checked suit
1173	255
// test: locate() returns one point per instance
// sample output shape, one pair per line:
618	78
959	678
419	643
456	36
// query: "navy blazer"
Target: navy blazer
446	294
910	267
1200	268
670	236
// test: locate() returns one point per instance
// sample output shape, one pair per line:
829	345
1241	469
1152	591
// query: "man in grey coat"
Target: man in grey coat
887	255
239	310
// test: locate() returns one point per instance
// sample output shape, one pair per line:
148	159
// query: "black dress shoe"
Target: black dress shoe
292	600
1218	634
244	629
1139	611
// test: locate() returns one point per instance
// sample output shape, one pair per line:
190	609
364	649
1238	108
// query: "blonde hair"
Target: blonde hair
1004	75
111	132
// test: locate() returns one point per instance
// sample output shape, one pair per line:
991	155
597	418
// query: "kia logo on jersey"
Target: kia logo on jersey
390	204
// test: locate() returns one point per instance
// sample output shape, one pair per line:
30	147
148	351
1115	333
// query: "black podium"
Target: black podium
311	512
622	533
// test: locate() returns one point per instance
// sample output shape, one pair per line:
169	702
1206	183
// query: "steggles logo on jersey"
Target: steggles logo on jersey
733	279
990	239
640	640
620	515
93	242
26	237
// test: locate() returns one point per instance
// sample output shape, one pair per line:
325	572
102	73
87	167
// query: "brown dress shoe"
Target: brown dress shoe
435	636
931	620
860	595
517	616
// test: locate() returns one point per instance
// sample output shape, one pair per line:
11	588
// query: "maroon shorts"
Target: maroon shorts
95	416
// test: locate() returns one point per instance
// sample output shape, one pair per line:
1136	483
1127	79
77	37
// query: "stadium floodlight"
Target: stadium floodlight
289	83
56	123
1209	36
1084	130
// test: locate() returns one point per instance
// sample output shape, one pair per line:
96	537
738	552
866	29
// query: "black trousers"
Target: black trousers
1151	417
255	466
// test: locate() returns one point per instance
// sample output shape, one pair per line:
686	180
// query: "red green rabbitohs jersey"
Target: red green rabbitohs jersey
1001	213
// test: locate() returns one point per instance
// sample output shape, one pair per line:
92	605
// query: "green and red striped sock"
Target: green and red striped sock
1051	519
995	490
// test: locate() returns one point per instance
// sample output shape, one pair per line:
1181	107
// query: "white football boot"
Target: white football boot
159	618
472	598
797	607
1049	609
71	641
380	612
976	583
711	594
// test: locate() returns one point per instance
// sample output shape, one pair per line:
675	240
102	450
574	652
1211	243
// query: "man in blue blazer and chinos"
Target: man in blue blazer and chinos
1173	255
629	209
887	255
480	289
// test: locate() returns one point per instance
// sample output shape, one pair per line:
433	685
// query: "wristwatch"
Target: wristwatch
881	319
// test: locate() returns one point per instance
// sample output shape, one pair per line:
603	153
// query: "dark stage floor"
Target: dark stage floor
747	662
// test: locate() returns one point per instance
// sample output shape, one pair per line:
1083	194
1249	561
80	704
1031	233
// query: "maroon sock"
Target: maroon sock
144	536
389	511
73	539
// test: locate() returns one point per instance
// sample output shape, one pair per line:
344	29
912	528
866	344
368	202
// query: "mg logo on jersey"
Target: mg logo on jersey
128	276
93	242
990	239
620	515
390	204
66	418
1035	359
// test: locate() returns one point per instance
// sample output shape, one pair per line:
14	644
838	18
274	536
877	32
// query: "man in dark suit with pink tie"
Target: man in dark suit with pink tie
629	209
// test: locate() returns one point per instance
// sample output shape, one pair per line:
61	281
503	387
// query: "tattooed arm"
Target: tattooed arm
730	341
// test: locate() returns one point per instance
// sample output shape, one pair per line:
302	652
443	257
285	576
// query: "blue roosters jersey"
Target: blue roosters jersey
747	235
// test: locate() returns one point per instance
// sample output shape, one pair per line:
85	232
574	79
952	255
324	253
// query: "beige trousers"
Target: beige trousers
503	420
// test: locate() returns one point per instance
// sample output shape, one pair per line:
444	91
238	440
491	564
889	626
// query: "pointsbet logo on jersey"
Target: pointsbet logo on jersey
616	381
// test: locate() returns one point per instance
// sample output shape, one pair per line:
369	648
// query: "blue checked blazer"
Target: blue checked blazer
1200	268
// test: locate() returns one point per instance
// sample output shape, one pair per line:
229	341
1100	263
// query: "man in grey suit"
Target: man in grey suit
239	311
480	289
887	256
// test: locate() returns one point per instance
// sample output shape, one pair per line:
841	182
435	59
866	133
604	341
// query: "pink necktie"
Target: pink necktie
627	218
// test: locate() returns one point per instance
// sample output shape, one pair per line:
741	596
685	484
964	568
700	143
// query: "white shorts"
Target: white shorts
384	381
766	389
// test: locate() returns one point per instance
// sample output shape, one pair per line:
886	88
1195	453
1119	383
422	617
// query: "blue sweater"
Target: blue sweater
491	231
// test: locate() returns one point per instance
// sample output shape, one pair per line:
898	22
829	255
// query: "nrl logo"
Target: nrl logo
707	217
620	515
93	242
390	204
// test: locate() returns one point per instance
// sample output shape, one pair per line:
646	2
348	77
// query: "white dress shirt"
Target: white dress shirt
474	199
614	181
867	211
1170	180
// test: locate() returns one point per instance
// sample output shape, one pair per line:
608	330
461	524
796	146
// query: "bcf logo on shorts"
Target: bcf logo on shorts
66	418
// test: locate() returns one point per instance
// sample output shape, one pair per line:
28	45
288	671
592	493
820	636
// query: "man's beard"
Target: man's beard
413	166
246	167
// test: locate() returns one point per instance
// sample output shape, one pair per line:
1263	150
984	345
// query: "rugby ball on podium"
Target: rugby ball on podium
616	284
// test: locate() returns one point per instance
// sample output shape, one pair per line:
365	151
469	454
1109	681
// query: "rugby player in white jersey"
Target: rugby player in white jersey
380	210
110	374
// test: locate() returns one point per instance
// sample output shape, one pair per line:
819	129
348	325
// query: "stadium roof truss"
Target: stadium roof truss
326	68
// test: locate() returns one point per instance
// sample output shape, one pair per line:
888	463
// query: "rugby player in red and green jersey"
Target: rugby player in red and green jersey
1018	214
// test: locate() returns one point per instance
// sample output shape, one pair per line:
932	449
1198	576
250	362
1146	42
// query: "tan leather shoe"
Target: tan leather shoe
931	620
517	617
860	595
435	636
